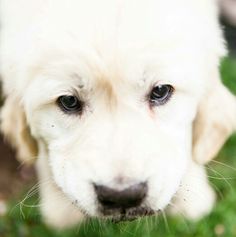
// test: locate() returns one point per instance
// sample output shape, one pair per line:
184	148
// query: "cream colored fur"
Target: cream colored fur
111	53
16	130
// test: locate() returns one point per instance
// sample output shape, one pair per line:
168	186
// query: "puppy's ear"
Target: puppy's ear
14	127
214	123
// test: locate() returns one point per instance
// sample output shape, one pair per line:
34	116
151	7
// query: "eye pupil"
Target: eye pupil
69	101
160	94
70	104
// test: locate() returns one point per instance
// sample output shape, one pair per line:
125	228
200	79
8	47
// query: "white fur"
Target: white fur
195	197
110	52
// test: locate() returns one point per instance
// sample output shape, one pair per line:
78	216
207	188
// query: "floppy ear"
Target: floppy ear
214	123
14	127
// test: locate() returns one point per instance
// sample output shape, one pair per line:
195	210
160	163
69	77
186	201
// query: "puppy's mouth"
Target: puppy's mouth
130	214
123	205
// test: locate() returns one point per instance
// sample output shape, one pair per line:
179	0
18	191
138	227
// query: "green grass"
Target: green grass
221	222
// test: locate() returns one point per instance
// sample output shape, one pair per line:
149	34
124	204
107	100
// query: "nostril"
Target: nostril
129	197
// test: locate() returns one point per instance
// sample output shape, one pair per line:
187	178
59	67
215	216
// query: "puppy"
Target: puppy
119	103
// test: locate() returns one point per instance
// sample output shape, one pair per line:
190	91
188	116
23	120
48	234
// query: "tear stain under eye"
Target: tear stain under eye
151	112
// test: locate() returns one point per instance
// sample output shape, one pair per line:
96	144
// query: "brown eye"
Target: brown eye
70	104
160	94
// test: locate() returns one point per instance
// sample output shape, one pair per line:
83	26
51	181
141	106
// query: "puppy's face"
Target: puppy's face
117	132
110	94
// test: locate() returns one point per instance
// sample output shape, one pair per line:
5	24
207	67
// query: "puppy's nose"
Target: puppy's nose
129	197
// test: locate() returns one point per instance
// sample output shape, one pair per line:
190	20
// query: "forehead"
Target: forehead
117	23
129	37
74	68
122	39
115	38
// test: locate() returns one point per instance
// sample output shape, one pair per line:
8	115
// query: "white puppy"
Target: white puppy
120	100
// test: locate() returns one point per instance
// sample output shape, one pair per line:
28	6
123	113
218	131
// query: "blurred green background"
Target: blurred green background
25	221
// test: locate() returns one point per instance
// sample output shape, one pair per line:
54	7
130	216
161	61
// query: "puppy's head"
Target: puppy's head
117	142
116	119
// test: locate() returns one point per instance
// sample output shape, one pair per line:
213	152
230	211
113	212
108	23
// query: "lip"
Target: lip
119	215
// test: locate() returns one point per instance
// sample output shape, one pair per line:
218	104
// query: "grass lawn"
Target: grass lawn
221	222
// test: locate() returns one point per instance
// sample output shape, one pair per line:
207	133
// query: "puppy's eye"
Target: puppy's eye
160	94
70	104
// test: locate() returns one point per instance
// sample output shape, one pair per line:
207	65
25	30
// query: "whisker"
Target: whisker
182	215
223	164
25	162
220	178
165	220
33	190
223	178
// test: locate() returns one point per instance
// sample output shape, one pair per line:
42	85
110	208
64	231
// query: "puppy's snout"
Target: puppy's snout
129	197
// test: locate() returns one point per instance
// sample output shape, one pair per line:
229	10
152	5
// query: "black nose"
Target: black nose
129	197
